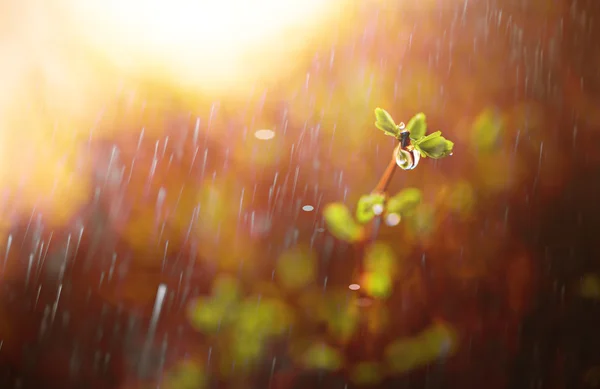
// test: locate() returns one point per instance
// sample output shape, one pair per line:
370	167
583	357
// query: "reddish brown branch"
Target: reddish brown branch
386	178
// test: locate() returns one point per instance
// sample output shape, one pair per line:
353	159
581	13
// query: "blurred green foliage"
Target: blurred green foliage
377	284
186	375
322	357
380	266
487	131
247	323
341	224
295	269
366	373
404	202
406	354
590	287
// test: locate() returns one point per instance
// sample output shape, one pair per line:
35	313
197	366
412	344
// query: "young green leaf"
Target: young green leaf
368	206
417	126
385	122
341	224
434	146
404	201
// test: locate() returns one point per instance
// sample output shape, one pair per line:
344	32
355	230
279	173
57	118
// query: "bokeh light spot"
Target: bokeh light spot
264	134
308	208
393	219
354	287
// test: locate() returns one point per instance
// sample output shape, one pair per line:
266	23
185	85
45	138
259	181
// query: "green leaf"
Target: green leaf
434	146
341	224
385	122
404	202
417	126
368	206
486	131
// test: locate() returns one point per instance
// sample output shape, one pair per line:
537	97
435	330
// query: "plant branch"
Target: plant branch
386	178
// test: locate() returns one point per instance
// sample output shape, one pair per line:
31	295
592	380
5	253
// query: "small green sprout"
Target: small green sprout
433	145
413	144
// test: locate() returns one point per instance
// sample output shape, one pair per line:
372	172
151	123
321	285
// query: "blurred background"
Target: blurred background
164	168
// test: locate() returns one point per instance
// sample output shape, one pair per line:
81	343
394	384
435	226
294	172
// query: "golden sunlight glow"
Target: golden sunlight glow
211	45
65	61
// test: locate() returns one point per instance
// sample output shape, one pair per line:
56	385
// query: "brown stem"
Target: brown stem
386	178
381	188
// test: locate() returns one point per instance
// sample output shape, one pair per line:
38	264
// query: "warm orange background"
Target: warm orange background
113	183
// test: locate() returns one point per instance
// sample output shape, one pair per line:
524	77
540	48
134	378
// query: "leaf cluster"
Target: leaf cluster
343	225
432	145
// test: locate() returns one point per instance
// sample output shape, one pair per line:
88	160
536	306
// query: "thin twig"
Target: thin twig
386	178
